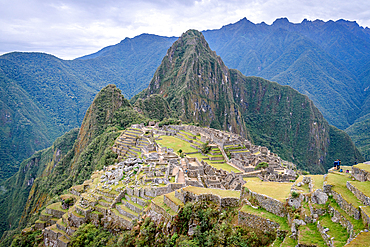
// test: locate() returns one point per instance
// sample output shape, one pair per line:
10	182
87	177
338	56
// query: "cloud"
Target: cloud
69	28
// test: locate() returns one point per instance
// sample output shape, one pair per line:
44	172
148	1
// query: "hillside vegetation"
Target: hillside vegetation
199	88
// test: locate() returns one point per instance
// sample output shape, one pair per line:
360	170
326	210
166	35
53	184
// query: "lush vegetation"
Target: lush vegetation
199	88
70	161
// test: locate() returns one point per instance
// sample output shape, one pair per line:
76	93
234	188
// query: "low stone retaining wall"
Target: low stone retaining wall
360	175
54	212
365	217
339	218
270	204
346	206
187	196
361	196
111	217
160	210
324	235
256	222
176	208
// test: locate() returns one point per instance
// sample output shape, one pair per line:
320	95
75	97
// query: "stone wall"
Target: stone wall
365	217
324	235
360	175
346	206
257	222
176	208
160	210
187	196
339	218
361	196
270	204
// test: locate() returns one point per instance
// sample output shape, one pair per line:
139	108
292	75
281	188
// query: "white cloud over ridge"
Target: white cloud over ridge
69	28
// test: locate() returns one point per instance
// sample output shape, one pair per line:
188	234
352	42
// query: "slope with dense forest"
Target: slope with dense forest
42	96
200	88
71	160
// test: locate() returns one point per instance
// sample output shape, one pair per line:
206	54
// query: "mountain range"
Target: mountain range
44	96
191	84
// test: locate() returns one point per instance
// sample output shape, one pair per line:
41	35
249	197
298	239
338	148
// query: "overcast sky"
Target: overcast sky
72	28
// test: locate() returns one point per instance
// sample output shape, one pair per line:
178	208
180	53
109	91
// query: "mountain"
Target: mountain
43	96
200	88
69	161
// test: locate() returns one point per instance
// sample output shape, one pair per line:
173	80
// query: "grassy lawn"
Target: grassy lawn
289	242
222	193
282	221
336	230
363	166
339	185
176	144
310	235
57	206
276	190
364	187
358	225
159	202
188	133
223	166
304	187
172	197
318	181
363	239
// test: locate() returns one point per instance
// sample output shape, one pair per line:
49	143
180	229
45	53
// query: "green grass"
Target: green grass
276	190
358	225
310	235
172	197
318	181
282	221
339	185
364	187
159	202
363	166
176	144
57	206
363	239
222	193
336	230
289	242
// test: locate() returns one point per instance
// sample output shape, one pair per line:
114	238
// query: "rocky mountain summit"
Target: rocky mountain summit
199	88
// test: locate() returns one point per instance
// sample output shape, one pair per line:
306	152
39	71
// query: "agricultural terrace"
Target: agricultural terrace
339	182
363	166
219	192
176	144
277	190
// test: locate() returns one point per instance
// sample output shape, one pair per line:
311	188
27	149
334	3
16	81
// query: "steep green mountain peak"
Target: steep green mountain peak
199	88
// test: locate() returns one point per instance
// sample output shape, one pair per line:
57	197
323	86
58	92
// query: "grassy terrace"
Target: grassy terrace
363	239
336	230
172	197
363	166
358	225
364	187
339	185
309	235
267	215
57	206
159	202
318	181
276	190
304	187
176	144
222	193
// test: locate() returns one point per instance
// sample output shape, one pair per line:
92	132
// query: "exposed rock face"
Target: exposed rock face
200	88
319	197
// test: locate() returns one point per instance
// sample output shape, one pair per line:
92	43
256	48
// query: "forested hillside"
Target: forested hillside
199	88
